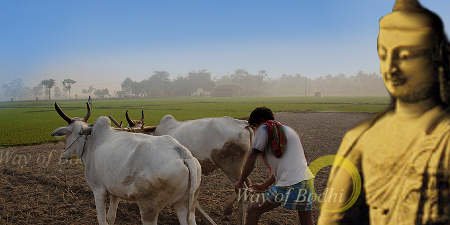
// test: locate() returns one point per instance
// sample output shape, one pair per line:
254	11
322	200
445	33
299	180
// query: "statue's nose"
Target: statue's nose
393	69
392	66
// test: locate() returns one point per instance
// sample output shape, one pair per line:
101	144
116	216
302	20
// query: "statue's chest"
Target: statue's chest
400	176
387	152
389	165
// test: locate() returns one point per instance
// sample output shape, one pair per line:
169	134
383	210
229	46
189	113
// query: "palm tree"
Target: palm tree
67	83
48	84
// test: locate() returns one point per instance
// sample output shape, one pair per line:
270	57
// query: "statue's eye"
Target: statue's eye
404	54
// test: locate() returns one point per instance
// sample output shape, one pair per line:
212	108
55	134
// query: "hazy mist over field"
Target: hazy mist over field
297	45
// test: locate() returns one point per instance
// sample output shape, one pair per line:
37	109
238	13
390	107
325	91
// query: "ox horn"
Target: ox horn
142	119
62	114
88	113
130	122
119	125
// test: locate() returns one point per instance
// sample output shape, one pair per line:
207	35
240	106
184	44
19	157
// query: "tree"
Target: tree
180	86
89	90
38	91
127	85
200	79
67	83
130	87
101	93
157	85
57	93
250	84
49	85
13	89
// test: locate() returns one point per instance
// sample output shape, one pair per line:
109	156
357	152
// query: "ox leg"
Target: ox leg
112	210
149	214
229	203
99	196
182	213
230	160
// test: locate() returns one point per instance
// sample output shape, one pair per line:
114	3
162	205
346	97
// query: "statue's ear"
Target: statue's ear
61	131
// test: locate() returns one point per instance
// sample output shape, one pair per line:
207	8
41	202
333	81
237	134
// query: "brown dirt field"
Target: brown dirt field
37	188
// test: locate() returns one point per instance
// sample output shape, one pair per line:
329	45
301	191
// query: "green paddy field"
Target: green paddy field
30	122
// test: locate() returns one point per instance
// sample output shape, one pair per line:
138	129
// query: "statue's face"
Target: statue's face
405	52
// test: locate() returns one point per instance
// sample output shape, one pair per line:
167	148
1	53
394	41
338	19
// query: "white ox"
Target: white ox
216	142
152	171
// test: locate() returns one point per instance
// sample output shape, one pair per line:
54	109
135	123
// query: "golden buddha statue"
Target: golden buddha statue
403	154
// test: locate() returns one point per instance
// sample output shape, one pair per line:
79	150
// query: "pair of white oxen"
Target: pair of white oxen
156	170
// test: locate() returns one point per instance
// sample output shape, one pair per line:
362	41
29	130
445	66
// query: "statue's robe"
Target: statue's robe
410	188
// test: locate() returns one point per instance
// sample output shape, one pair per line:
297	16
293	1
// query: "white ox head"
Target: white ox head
74	132
136	126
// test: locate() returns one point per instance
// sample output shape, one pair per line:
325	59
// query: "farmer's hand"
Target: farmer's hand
264	186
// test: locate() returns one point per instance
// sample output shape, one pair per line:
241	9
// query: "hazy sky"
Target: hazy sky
103	42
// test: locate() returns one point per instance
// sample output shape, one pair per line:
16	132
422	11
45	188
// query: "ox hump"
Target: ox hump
102	123
167	119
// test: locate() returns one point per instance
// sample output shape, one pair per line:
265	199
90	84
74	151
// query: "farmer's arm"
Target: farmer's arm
248	167
259	145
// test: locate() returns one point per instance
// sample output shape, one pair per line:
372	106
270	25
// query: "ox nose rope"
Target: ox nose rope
84	146
73	142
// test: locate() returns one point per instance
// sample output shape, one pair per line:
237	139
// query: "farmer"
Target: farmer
282	150
403	154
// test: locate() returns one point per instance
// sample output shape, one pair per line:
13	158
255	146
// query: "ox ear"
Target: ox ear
61	131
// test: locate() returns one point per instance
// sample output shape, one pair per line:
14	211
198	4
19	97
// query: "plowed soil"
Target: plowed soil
36	187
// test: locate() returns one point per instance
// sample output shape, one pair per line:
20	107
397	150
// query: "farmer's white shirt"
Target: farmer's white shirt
291	167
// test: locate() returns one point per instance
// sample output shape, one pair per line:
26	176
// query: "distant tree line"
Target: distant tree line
202	83
360	84
46	89
159	84
243	83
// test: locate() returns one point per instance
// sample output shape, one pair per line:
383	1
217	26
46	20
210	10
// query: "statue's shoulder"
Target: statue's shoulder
352	135
355	132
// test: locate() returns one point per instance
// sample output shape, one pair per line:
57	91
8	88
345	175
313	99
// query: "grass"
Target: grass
26	123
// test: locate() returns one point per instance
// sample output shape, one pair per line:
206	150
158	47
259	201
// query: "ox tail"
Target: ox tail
194	184
194	180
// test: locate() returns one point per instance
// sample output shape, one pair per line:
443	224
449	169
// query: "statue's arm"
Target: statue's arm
340	187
